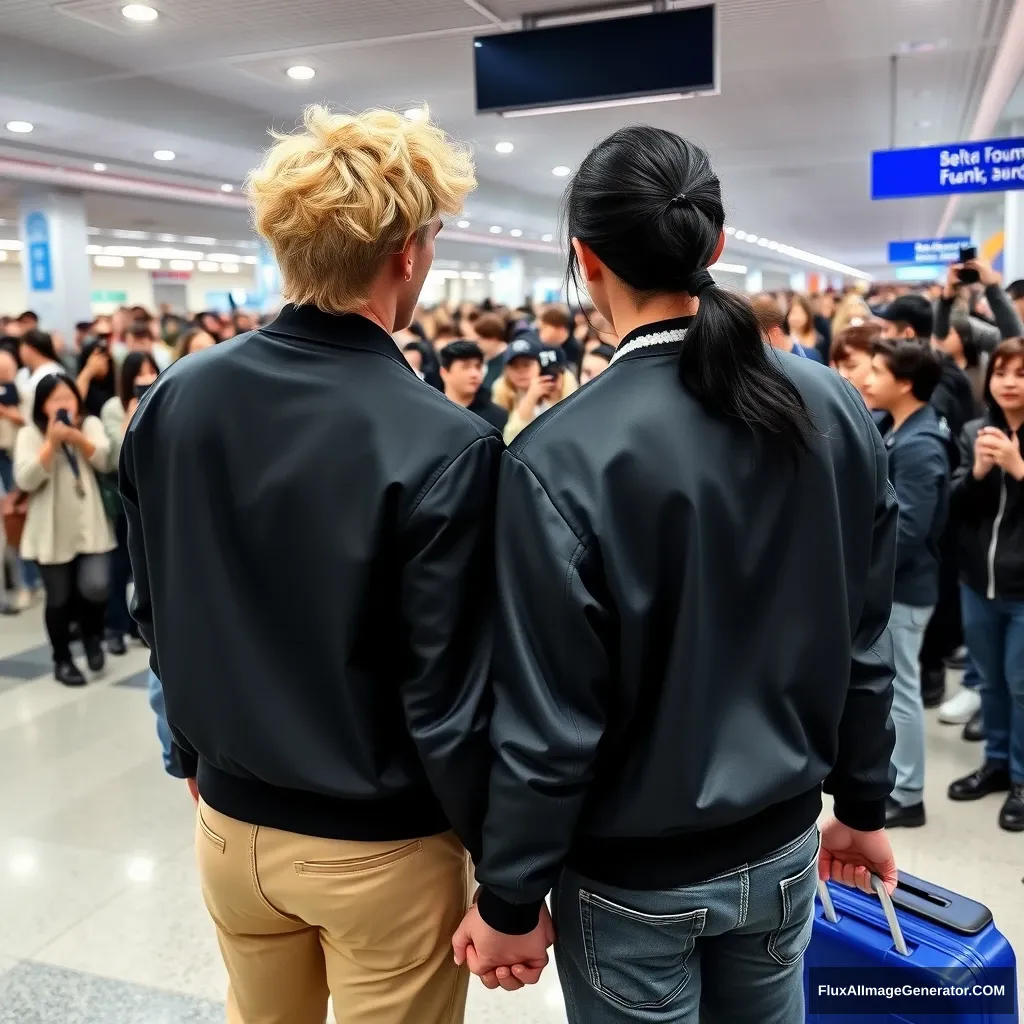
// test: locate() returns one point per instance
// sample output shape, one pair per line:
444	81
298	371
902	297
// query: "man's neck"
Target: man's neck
902	412
464	400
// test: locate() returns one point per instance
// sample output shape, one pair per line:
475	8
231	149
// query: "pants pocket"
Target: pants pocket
208	834
790	940
634	958
357	865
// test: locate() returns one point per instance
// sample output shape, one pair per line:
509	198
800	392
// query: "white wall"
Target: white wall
136	283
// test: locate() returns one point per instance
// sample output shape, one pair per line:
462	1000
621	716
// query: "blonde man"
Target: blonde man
310	529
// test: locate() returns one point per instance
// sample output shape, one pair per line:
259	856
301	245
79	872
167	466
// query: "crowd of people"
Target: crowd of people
64	409
607	631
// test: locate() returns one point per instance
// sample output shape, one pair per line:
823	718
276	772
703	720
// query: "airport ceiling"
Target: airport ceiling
805	97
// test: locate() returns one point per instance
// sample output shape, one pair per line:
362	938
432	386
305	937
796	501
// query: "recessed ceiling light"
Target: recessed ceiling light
21	127
163	154
462	224
140	12
753	238
495	229
227	188
504	147
416	113
561	171
546	238
741	236
773	245
99	167
300	73
729	230
925	124
516	233
762	241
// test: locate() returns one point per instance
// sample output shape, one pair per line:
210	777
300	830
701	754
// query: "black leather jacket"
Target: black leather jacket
310	527
692	634
990	518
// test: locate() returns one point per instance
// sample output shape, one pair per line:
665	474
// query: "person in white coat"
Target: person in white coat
56	458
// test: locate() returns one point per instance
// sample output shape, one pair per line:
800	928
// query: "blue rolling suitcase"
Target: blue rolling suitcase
925	956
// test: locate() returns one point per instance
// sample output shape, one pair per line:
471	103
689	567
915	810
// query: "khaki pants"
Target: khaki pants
299	917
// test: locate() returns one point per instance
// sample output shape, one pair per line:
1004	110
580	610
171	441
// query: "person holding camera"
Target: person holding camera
96	377
535	379
958	277
56	459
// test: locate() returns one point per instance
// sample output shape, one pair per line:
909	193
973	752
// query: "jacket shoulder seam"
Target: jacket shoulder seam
561	515
441	470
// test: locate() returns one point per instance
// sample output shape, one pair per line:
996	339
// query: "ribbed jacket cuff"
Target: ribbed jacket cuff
510	918
861	815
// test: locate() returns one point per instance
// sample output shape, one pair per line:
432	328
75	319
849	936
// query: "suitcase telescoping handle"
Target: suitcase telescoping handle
887	908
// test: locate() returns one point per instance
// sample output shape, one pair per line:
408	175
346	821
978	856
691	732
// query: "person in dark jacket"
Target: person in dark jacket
903	376
663	724
911	317
331	706
462	370
988	496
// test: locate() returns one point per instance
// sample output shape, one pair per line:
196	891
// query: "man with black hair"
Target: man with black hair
490	335
904	376
912	317
462	370
554	328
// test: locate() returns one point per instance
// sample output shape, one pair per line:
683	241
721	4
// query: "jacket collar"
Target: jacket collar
924	420
343	330
654	339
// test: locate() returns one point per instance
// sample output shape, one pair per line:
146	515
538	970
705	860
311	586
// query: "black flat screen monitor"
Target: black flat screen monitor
669	52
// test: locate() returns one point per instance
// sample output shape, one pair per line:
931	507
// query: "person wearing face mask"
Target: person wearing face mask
96	377
329	707
663	722
988	497
56	459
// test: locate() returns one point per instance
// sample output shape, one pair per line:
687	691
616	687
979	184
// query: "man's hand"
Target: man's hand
952	281
508	961
851	857
193	788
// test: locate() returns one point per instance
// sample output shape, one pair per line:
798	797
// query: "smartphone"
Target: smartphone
968	275
64	416
140	390
8	394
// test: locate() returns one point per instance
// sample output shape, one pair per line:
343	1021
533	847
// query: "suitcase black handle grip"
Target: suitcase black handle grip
887	908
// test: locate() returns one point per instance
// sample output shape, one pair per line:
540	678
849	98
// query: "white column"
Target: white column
55	266
508	281
1013	237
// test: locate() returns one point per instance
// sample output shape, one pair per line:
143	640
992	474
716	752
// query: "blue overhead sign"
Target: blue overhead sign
927	250
40	262
993	165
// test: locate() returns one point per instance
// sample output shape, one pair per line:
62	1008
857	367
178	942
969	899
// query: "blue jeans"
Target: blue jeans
907	626
726	951
163	730
994	631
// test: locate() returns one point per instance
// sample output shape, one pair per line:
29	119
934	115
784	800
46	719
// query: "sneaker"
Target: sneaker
1011	817
991	777
67	672
898	815
8	608
94	655
116	644
960	708
974	730
958	659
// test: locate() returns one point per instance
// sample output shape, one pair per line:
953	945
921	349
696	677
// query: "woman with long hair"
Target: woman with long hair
664	719
988	501
195	339
57	457
800	326
138	372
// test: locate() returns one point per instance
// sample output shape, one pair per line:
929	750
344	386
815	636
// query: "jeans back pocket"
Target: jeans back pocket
635	958
789	942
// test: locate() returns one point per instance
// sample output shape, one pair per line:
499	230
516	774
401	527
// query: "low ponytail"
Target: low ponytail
648	204
726	365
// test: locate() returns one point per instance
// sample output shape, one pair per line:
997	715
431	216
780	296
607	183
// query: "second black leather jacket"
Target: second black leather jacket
692	634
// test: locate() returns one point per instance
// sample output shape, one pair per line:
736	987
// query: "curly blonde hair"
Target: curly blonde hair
336	199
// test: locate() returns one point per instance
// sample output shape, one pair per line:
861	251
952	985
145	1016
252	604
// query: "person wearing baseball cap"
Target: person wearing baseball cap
535	379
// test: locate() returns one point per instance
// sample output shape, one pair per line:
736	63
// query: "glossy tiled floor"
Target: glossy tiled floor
101	921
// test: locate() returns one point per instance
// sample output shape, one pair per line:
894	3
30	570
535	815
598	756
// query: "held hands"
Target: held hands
994	448
852	857
59	432
500	960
